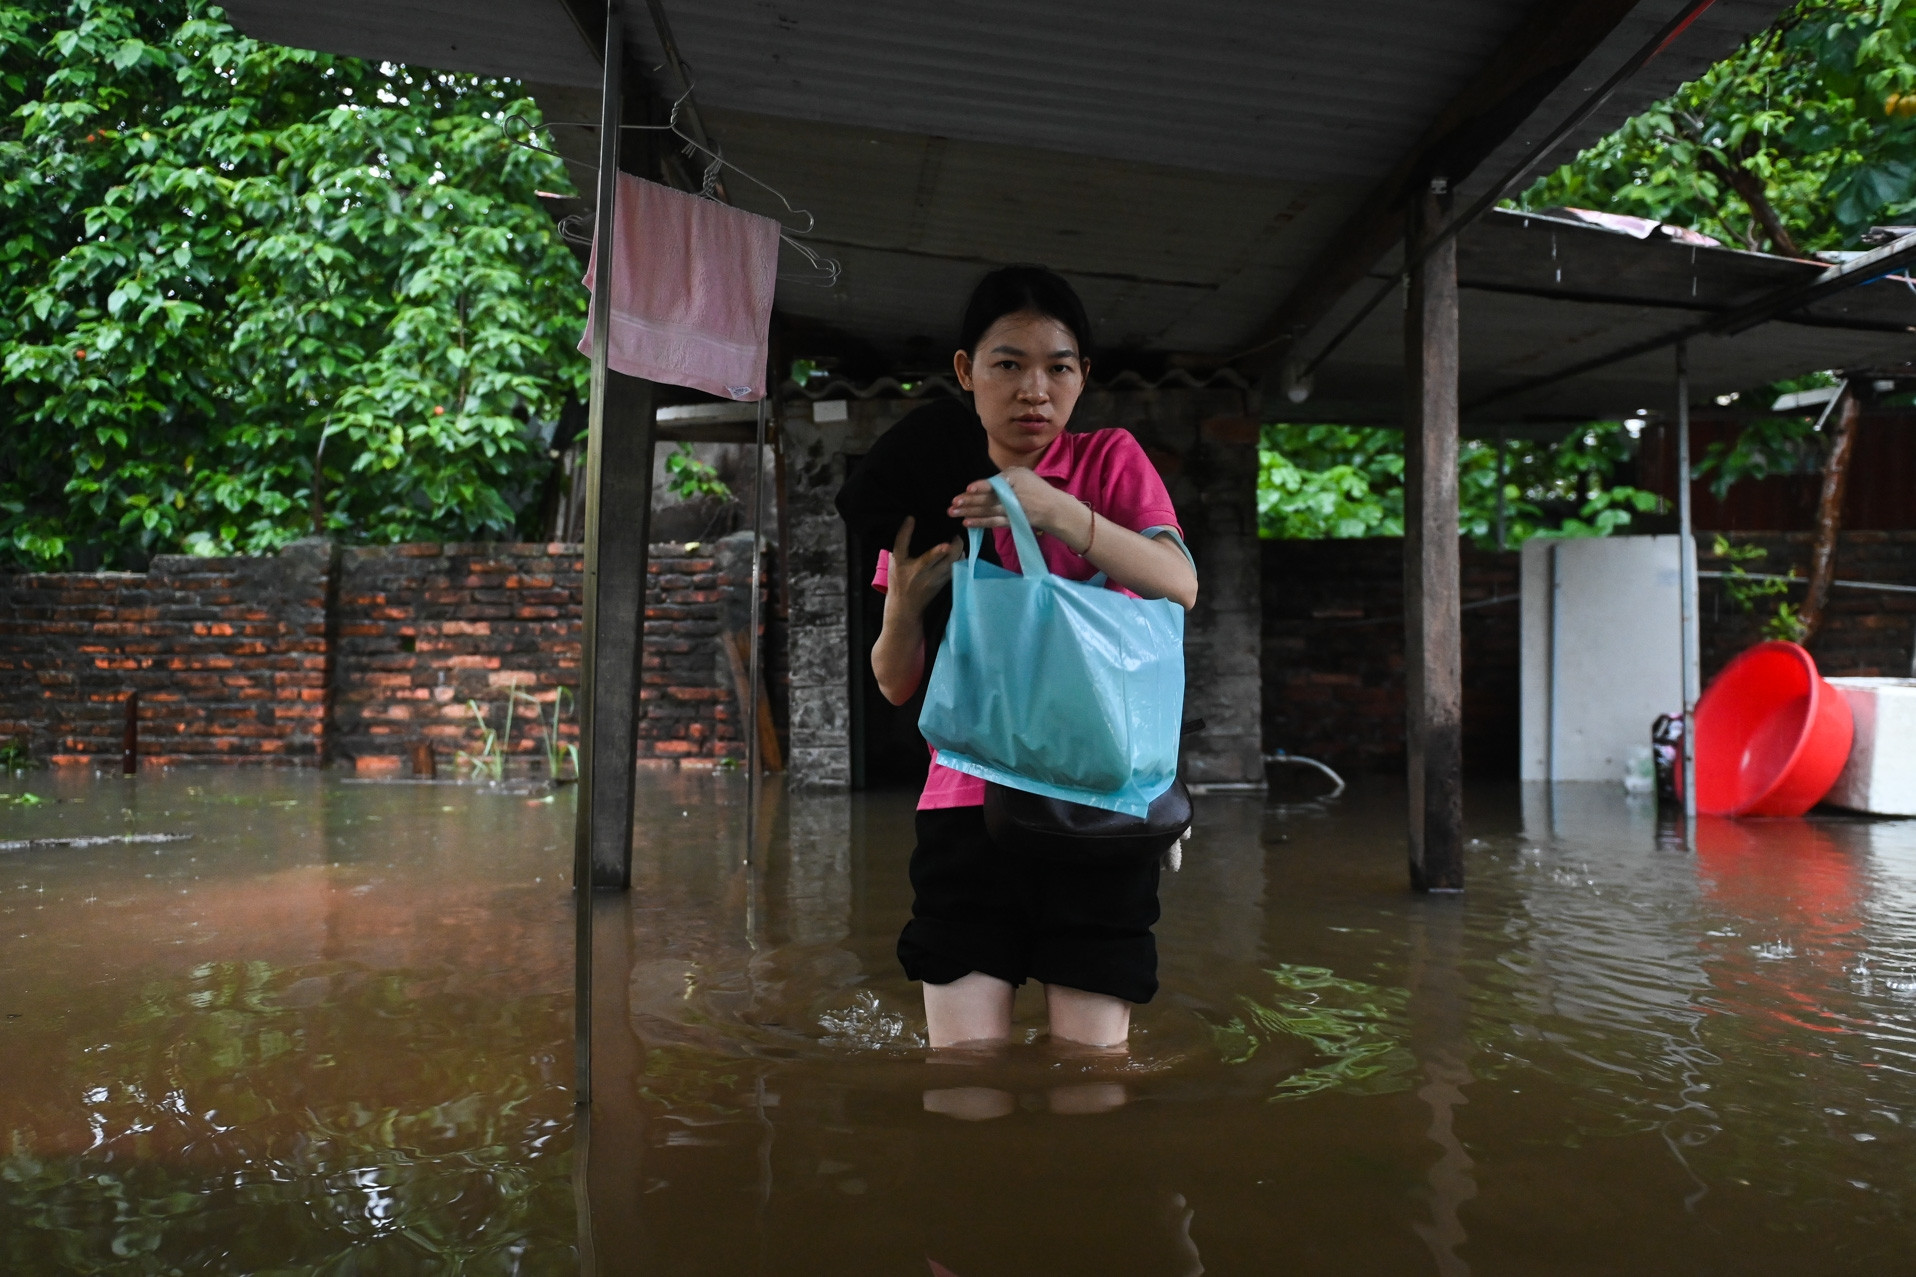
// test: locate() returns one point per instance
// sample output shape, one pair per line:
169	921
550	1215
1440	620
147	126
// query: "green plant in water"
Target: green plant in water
556	753
490	761
686	1079
1748	591
1357	1028
14	757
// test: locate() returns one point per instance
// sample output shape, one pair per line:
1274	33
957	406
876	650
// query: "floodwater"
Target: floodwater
330	1032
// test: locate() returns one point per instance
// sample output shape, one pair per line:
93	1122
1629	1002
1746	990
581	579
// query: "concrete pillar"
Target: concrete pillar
818	655
1223	634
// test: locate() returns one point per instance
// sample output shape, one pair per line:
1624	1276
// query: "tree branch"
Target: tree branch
1755	194
1829	514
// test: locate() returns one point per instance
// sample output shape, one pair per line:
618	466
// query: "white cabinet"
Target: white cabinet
1602	652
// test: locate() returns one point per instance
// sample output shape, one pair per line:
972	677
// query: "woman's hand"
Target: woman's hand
914	583
1153	568
898	657
1050	510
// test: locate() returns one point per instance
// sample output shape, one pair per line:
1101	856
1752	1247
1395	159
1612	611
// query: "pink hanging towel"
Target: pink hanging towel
692	285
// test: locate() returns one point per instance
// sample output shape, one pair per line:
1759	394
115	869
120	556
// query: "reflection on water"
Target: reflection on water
327	1033
1612	1054
330	1033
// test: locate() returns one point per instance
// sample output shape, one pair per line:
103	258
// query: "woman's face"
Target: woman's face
1024	380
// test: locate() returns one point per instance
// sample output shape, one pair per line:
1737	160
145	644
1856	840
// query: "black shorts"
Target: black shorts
977	908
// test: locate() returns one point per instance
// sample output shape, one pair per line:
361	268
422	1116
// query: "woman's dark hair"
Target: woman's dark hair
1011	289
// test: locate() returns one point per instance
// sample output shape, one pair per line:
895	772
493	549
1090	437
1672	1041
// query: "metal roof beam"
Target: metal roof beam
1535	60
1838	278
1776	306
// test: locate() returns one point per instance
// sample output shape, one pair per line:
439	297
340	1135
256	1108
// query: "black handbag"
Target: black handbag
1032	824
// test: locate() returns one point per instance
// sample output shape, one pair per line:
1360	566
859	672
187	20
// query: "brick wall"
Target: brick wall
240	659
1863	631
1334	646
228	655
424	631
1333	654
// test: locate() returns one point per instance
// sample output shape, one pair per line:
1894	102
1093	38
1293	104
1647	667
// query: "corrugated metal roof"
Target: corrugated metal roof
525	39
915	220
1183	165
1302	92
1539	294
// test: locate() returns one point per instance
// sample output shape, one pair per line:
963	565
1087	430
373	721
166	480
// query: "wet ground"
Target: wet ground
330	1032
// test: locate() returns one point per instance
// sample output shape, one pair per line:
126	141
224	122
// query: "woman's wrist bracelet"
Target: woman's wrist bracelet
1092	538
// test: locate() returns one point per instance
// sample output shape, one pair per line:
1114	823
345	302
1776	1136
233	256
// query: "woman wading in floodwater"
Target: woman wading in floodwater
982	921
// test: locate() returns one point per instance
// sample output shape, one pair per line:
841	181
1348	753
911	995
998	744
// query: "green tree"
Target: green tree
1801	140
1317	482
231	265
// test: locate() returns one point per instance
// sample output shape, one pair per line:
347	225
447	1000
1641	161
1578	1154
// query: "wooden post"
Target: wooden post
130	739
618	515
1829	511
736	645
1433	622
618	534
596	827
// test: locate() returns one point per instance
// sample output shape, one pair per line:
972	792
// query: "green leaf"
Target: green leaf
196	212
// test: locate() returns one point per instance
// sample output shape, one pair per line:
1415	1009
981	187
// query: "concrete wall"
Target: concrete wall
1205	447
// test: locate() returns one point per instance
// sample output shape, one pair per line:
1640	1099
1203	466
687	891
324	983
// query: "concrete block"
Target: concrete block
1880	776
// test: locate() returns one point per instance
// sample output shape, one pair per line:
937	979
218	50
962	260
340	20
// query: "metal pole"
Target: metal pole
753	758
1686	584
1556	611
609	102
1502	518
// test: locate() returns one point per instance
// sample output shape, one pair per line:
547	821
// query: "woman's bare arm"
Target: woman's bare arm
898	657
1153	568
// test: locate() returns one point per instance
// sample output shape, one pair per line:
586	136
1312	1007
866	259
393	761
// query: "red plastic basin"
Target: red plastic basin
1771	735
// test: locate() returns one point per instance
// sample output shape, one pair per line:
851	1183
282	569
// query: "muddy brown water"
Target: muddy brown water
331	1033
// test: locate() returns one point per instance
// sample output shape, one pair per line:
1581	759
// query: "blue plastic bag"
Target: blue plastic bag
1057	687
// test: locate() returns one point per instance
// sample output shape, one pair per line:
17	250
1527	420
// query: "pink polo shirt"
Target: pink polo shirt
1108	471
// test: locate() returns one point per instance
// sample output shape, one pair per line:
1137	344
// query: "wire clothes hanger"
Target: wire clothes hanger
572	228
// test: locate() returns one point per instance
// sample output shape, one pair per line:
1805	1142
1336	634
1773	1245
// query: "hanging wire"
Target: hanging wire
709	187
